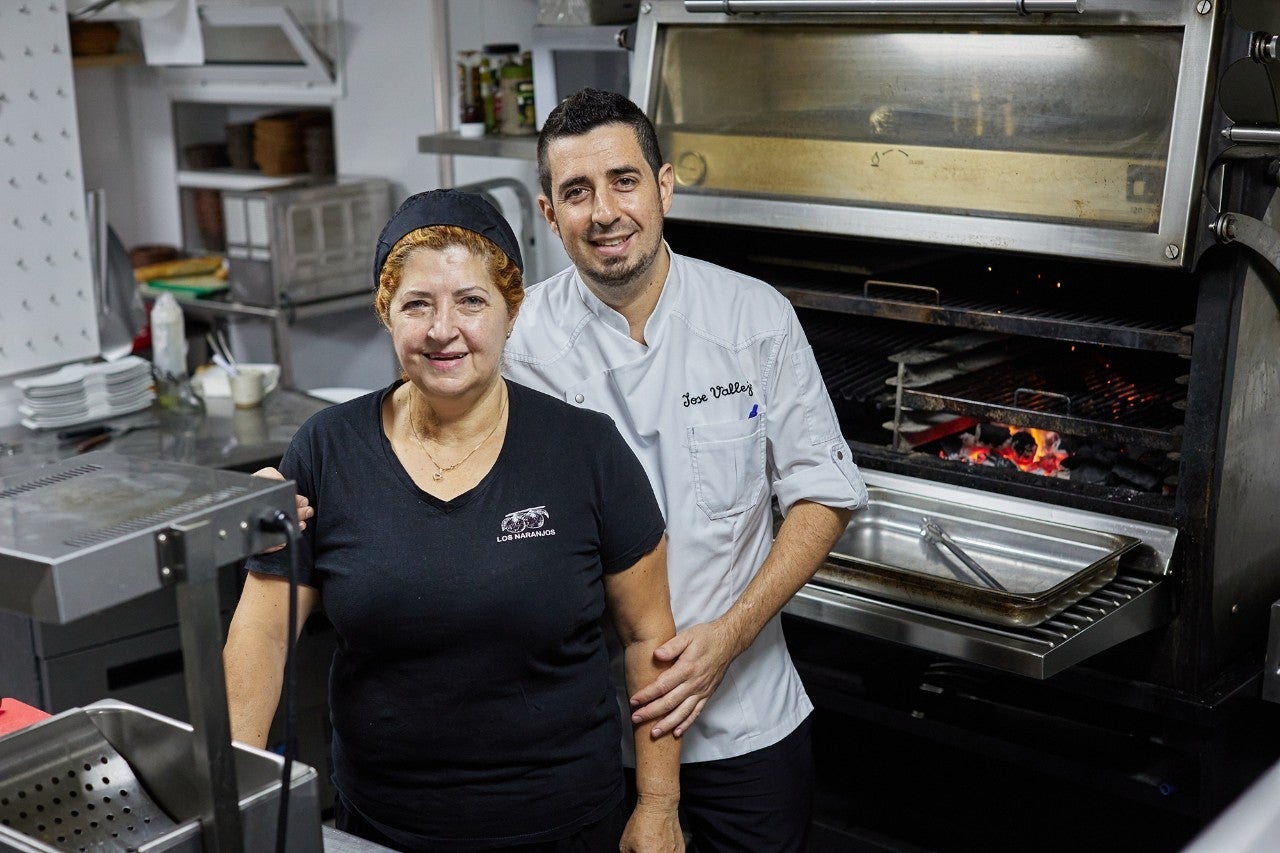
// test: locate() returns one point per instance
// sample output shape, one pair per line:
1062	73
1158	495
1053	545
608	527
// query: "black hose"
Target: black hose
280	520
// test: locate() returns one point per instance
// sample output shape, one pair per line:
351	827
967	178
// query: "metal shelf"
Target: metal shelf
998	318
451	142
278	317
233	179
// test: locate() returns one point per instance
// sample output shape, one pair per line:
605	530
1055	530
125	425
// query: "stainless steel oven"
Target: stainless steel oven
1030	246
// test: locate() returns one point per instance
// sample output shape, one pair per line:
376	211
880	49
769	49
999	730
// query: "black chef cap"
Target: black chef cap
446	207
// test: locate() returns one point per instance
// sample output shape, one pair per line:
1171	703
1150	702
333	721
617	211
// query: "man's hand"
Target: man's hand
701	655
305	509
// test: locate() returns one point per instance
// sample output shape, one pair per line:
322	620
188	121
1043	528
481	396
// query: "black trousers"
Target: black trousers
761	802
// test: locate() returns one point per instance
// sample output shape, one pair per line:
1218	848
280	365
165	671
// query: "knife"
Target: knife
105	434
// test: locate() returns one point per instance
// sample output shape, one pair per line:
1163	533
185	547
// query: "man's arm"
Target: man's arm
702	653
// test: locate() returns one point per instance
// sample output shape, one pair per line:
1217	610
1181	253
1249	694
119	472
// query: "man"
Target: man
709	377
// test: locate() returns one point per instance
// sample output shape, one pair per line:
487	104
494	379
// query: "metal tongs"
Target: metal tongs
932	532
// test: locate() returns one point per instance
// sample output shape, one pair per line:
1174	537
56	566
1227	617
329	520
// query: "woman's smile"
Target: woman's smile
448	323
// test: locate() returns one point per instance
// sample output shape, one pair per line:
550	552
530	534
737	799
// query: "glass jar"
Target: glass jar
516	117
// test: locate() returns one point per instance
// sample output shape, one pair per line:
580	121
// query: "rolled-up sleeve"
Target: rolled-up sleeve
808	456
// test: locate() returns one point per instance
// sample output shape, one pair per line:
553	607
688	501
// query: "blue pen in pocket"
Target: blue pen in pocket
755	409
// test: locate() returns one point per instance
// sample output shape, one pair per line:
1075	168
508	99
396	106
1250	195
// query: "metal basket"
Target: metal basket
111	776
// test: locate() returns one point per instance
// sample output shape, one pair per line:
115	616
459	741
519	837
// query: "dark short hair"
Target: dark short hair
584	111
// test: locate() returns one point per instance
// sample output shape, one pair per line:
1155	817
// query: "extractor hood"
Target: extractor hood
290	42
253	44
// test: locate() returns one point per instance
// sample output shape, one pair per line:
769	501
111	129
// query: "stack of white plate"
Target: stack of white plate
79	393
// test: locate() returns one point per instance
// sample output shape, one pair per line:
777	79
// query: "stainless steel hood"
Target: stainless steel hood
1021	128
255	45
208	43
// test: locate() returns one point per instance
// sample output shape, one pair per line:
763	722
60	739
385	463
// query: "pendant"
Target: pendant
438	476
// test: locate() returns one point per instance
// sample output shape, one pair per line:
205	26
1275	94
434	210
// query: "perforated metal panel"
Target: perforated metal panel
47	306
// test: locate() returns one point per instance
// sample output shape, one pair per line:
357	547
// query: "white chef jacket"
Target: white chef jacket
724	407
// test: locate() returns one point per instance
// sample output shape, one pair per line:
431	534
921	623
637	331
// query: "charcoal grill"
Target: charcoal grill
1135	311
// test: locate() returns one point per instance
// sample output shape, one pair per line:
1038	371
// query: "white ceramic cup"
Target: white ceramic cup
248	387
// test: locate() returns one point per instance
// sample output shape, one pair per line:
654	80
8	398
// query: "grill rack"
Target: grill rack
1043	385
1129	605
998	309
1087	398
853	354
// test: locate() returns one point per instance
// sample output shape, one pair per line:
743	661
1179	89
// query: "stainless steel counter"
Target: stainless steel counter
221	437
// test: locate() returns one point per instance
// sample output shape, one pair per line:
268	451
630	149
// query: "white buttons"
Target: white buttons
578	398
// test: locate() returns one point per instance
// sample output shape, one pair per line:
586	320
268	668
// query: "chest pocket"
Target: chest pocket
728	465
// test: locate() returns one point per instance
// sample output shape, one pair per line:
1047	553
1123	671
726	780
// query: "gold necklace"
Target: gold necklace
440	472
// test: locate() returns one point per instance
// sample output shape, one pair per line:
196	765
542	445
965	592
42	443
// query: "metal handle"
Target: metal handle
1041	393
924	288
527	210
1252	134
1250	232
798	7
95	202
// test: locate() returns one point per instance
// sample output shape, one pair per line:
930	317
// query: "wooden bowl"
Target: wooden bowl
93	38
146	255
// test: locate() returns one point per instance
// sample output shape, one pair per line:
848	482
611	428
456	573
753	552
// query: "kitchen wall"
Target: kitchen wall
125	117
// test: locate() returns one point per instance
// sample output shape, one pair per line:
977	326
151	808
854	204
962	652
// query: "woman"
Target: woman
468	534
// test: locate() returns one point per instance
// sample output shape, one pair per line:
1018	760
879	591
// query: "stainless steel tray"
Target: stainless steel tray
1044	567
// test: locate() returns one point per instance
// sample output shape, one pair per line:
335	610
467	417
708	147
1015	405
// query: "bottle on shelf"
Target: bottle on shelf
517	92
169	357
487	96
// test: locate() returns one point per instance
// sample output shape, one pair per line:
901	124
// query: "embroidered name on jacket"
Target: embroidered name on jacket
526	524
692	398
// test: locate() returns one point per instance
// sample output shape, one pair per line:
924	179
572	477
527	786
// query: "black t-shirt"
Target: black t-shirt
470	694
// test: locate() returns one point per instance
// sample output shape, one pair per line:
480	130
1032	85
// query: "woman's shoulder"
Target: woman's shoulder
552	410
356	413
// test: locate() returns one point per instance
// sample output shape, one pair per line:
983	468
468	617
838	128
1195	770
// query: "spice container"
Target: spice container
517	117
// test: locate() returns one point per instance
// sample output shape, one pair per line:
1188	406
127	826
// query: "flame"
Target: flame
1045	459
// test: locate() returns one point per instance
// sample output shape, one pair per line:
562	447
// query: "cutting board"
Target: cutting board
190	285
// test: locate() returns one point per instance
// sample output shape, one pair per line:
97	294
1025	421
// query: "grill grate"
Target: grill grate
1094	394
853	354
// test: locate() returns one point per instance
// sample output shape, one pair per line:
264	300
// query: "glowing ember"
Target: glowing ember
1035	451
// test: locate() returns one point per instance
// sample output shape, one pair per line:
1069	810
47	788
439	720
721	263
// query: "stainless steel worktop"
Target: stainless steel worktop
220	437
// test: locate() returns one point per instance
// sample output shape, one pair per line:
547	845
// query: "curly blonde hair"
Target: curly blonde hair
503	271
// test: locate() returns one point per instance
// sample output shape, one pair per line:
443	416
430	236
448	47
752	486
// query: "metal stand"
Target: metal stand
185	554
